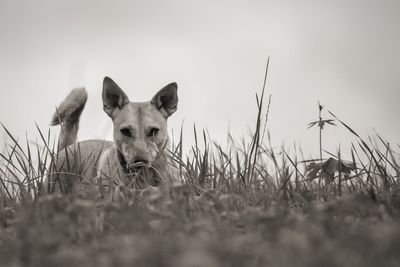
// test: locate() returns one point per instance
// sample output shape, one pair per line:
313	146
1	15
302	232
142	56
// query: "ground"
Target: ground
185	226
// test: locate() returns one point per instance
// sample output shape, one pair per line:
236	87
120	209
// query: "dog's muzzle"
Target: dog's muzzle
140	171
138	164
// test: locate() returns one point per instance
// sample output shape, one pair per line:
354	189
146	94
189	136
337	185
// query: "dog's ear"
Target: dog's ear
113	97
166	100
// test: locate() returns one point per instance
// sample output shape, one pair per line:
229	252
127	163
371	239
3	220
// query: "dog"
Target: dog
135	159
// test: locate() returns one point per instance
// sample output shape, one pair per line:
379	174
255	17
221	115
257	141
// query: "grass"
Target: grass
241	205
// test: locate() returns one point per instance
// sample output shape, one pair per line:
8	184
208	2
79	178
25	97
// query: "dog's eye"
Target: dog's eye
126	132
153	132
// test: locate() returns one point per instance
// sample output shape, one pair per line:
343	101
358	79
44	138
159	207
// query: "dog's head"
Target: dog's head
140	128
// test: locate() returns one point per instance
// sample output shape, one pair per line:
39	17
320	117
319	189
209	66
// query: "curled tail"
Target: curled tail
67	115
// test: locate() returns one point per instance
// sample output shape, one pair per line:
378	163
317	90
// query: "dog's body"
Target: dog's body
134	159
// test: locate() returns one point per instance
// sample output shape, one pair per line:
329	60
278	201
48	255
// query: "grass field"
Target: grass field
242	205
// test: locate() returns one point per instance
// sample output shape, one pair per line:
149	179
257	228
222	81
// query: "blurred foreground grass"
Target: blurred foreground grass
179	227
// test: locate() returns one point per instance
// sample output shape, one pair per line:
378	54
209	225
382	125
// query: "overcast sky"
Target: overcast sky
344	53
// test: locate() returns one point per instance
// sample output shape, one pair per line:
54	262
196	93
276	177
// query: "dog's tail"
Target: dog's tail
67	115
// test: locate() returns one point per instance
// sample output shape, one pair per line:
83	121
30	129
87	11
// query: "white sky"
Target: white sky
344	53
